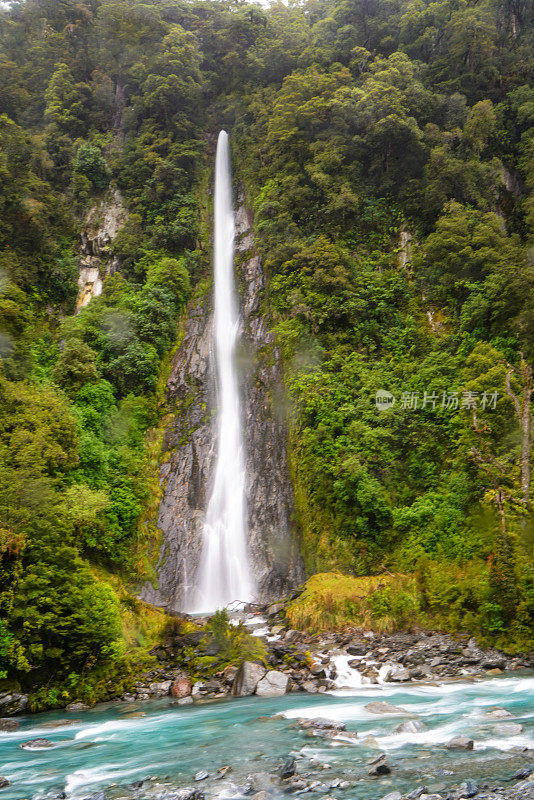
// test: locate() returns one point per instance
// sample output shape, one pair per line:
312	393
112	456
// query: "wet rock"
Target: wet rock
310	687
189	793
160	689
181	687
521	774
379	766
247	678
274	684
12	703
393	796
37	744
397	674
460	743
4	782
76	707
201	775
499	713
263	781
417	793
412	726
508	729
7	724
289	768
383	707
184	701
222	772
468	789
322	724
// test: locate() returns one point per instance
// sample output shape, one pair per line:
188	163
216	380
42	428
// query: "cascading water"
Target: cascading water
224	572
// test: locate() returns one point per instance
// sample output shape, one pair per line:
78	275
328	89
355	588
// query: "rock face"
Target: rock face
102	224
190	444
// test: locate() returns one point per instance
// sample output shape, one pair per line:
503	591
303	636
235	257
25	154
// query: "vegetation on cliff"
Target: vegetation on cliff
387	150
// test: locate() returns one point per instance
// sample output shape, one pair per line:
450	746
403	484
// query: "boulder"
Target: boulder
75	707
247	678
383	707
289	768
3	782
7	724
160	689
379	766
12	703
397	674
181	687
322	724
188	793
508	729
310	687
460	743
201	775
393	796
468	789
412	726
499	713
273	684
37	744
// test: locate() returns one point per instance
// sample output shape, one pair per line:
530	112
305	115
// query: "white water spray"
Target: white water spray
224	573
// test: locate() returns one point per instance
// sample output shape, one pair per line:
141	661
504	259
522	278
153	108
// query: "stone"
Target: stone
499	713
185	701
379	766
4	782
460	743
12	703
160	689
468	789
383	707
201	775
417	793
508	729
222	772
274	684
263	781
181	687
37	744
393	796
289	768
397	674
189	793
76	707
412	726
322	724
247	678
310	687
7	724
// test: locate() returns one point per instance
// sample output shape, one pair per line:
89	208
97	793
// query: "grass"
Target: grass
332	601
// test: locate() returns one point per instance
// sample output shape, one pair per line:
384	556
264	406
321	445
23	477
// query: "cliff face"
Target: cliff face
102	223
190	442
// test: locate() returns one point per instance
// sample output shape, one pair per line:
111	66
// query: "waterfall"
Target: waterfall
224	572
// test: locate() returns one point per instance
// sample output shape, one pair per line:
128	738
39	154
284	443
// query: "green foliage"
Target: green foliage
89	163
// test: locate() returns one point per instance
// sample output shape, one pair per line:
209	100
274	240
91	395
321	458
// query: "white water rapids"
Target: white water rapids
224	574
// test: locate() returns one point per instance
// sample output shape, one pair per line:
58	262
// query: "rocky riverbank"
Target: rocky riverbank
299	661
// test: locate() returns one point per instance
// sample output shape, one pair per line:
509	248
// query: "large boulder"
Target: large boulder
273	684
181	687
12	703
161	689
460	743
247	678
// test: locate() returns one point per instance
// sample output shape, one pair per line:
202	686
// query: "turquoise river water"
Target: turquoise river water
114	745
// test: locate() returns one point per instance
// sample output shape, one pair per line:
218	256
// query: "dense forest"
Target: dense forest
386	148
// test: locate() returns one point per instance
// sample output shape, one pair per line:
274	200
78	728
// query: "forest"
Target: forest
386	148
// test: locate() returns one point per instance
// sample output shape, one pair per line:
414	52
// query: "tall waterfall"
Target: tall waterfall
224	573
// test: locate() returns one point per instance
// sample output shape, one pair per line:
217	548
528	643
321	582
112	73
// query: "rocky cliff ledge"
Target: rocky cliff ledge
190	445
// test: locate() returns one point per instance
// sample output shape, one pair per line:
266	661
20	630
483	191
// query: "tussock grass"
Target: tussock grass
332	601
